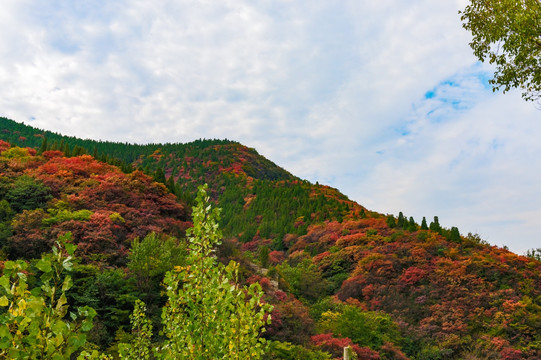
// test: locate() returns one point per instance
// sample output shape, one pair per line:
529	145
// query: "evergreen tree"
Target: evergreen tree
412	226
424	226
43	146
435	225
401	221
159	175
391	221
362	214
171	184
454	235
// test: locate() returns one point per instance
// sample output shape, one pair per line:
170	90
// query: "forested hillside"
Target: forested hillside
336	273
255	195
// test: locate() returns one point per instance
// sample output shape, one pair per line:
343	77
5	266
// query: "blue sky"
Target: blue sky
383	100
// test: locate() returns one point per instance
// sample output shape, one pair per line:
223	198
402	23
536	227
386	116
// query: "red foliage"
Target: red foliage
142	206
392	352
511	354
49	154
413	275
289	240
365	353
250	246
262	280
280	296
353	239
335	346
276	257
352	288
4	145
316	259
298	223
29	240
290	321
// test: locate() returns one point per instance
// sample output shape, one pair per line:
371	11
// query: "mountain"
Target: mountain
256	195
336	272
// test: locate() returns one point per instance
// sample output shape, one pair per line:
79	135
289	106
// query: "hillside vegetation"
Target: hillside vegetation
336	273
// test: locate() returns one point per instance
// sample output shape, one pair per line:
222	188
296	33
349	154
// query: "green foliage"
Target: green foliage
401	222
534	254
159	175
507	33
412	226
15	153
139	348
58	216
6	213
149	260
364	328
271	209
391	222
111	292
305	280
286	351
27	194
424	226
208	316
35	323
263	256
154	256
454	234
435	225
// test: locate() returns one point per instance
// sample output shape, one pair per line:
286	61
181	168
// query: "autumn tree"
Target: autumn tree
507	33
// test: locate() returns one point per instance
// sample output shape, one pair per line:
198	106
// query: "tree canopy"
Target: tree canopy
507	33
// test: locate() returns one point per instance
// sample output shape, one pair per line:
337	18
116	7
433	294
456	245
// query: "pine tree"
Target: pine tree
401	221
435	225
159	175
454	234
43	147
391	221
424	226
412	226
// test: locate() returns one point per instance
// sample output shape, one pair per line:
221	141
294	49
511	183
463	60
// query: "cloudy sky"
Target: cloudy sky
380	99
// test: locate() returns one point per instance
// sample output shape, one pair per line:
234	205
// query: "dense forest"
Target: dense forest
336	273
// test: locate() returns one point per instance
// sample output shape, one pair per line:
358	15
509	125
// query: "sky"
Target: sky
380	99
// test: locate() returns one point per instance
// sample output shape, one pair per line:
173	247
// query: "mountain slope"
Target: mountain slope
337	273
104	209
256	195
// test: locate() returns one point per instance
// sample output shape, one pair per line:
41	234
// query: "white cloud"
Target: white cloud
380	99
478	170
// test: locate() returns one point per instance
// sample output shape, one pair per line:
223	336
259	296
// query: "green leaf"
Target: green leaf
4	282
70	248
61	301
9	265
44	265
68	283
4	301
